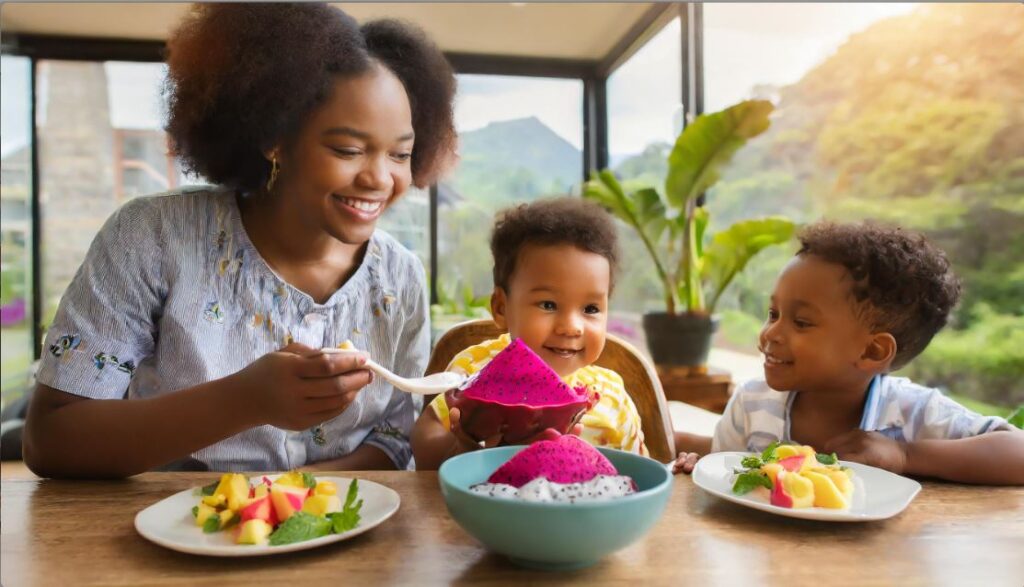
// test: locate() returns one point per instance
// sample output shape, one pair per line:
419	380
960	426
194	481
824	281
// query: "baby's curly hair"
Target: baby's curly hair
902	284
242	77
553	221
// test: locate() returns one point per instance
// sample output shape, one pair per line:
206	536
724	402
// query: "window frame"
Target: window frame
593	73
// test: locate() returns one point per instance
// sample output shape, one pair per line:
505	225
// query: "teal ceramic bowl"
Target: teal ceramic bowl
553	536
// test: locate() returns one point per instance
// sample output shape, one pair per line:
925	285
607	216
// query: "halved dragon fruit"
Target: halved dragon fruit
518	395
568	459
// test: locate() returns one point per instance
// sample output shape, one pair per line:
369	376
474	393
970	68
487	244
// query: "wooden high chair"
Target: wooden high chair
636	370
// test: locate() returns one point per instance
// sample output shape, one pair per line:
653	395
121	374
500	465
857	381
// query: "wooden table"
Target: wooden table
82	533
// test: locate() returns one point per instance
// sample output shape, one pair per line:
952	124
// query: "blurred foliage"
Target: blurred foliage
918	120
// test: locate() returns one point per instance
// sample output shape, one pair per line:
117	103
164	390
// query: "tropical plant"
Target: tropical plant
672	224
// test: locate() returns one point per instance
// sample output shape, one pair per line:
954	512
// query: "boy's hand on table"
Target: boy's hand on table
685	463
298	387
870	448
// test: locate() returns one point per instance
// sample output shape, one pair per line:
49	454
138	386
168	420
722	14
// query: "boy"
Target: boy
856	302
554	262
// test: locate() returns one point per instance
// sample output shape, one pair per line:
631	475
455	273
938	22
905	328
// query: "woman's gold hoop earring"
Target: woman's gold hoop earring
273	173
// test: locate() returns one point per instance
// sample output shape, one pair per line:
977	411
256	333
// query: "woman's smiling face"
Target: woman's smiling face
352	157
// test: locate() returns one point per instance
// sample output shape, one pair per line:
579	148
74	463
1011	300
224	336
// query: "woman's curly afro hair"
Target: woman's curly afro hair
902	284
244	77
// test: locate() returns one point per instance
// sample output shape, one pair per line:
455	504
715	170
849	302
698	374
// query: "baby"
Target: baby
554	262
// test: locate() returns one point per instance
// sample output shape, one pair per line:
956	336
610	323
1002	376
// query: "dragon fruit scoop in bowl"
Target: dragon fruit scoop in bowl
518	395
556	504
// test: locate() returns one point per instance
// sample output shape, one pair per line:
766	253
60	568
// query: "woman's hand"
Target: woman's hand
298	387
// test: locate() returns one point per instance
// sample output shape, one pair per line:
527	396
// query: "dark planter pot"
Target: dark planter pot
679	339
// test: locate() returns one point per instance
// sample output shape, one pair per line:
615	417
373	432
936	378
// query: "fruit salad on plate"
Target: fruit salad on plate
567	470
792	476
291	508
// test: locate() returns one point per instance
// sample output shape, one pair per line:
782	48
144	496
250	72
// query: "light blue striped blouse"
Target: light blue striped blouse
757	415
173	294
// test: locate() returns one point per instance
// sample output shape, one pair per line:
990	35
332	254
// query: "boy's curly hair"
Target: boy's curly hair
553	221
902	284
244	76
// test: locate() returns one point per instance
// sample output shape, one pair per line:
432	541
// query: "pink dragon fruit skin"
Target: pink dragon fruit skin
568	459
518	395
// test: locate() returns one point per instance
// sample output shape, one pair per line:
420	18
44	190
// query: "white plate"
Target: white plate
169	522
878	494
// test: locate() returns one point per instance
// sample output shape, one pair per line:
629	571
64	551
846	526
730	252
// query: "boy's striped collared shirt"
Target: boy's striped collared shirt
757	415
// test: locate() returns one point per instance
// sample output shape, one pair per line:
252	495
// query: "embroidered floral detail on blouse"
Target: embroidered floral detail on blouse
68	342
388	299
127	367
280	294
386	429
222	238
213	313
101	360
257	320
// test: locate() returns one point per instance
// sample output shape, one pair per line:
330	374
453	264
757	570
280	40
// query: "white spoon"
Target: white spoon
430	385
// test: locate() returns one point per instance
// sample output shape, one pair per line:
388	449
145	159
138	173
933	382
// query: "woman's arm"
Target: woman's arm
366	457
74	437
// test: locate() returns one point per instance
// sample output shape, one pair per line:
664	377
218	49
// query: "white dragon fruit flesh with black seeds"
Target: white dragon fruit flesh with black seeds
567	469
600	488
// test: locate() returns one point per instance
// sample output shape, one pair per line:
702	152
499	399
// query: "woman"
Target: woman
204	309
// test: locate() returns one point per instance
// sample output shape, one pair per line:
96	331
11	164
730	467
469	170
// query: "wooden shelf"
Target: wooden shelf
707	388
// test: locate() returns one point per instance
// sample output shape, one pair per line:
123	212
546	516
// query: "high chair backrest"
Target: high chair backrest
636	370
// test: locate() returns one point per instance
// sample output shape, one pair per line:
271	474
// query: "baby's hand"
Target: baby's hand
685	463
552	434
870	448
465	442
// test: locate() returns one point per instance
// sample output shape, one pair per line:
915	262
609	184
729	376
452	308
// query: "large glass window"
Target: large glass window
519	139
15	229
900	113
645	114
101	143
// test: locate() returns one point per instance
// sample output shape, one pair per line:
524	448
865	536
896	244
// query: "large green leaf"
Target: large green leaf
706	145
731	249
642	209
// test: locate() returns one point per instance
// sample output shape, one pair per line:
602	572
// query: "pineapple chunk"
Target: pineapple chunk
292	478
215	501
203	513
320	505
254	531
325	488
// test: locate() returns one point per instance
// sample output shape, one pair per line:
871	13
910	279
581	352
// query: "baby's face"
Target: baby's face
557	304
811	337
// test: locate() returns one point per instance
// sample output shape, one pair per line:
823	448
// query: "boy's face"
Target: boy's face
812	340
557	303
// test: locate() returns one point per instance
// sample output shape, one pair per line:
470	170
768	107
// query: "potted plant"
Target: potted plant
693	274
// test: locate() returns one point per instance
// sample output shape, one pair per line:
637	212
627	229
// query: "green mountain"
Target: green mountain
515	160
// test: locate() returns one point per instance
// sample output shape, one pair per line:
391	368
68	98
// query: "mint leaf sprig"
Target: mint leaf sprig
303	526
750	480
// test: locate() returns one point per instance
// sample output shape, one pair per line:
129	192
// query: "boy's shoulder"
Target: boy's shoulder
758	390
